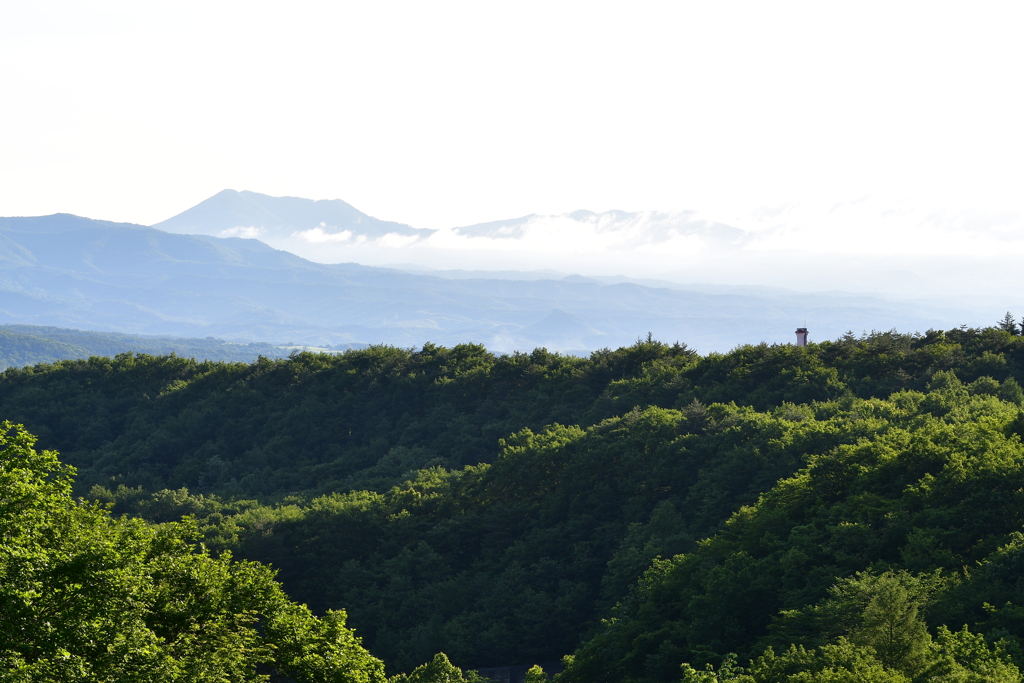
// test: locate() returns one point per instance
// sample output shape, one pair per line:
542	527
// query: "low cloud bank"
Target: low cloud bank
861	245
248	232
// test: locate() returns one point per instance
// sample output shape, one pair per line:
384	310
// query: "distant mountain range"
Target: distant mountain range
73	272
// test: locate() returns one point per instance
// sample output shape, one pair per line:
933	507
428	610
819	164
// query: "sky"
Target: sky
857	128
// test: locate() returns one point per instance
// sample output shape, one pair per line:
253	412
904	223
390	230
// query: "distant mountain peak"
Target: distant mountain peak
234	213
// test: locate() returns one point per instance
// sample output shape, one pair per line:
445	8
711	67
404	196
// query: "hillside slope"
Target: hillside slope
497	507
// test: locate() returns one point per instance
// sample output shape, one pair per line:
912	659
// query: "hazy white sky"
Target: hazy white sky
444	113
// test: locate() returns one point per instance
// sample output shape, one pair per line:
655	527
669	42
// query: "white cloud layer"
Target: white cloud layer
859	245
249	232
318	235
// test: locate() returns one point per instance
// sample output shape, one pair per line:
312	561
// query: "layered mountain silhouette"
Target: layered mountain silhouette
231	213
74	272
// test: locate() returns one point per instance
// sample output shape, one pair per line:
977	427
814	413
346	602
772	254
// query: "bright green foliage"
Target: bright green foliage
956	656
891	622
85	597
960	657
437	670
842	662
536	674
882	611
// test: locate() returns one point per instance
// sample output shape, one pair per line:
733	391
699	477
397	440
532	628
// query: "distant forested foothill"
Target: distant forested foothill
22	345
852	510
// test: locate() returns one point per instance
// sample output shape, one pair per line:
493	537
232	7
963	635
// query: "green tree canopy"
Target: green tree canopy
438	670
87	597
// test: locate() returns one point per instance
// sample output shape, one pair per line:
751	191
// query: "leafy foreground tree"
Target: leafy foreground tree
86	597
438	670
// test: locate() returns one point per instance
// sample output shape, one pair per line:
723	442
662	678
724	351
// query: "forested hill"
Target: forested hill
325	422
22	345
497	508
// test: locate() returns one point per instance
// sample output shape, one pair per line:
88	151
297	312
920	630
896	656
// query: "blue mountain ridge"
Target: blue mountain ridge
75	272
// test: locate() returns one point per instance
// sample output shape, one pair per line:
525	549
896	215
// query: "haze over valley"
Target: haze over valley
247	267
